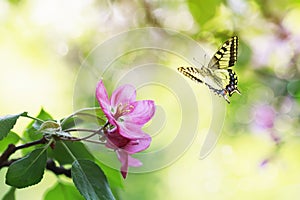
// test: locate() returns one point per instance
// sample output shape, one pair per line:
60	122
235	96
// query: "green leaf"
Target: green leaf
7	123
113	176
30	133
49	127
293	88
203	10
101	118
63	191
70	123
11	138
88	116
10	195
90	180
60	154
28	170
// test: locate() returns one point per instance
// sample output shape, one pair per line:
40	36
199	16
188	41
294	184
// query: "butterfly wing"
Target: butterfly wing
221	64
230	85
226	56
217	75
192	73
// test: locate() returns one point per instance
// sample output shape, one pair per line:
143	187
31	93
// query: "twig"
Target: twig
12	149
4	162
94	132
7	163
80	129
58	170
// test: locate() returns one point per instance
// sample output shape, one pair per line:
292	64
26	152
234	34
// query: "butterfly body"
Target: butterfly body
218	75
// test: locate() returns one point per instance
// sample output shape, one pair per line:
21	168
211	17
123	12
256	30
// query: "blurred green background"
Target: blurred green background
43	44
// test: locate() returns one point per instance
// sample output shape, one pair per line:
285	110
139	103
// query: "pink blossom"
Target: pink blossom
123	111
128	117
264	116
125	147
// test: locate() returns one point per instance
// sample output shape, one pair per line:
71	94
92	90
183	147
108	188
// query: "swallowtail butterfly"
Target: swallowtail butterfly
218	75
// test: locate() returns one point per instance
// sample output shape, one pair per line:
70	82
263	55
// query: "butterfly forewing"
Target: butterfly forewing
226	56
192	73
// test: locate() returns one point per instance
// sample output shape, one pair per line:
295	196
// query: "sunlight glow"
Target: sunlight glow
68	17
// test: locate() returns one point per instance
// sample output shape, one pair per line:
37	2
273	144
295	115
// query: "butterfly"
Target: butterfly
218	75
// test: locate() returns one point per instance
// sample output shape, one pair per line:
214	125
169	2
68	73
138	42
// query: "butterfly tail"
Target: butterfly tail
221	92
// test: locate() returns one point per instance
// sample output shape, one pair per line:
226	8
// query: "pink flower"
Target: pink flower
128	117
125	147
123	111
264	116
264	119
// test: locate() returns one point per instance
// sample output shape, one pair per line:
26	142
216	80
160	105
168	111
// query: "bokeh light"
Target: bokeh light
43	44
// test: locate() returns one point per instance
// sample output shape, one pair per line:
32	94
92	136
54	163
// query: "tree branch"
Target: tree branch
11	149
58	170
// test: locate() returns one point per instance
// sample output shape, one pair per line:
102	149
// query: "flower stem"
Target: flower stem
69	151
80	129
95	142
94	132
76	112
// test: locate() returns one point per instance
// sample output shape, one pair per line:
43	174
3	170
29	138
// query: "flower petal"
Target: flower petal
142	112
131	130
131	146
102	97
124	173
123	94
126	160
123	158
115	140
137	145
133	162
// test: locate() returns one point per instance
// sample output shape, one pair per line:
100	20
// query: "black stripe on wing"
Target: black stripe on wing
233	51
229	89
226	56
218	75
190	72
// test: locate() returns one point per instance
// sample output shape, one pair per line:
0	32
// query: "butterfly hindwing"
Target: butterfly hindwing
218	75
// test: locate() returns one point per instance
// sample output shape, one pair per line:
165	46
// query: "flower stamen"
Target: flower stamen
123	109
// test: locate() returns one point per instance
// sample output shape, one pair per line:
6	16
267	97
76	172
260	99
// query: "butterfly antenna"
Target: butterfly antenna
198	62
205	57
